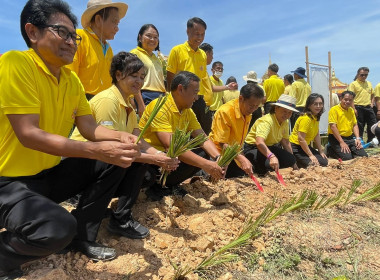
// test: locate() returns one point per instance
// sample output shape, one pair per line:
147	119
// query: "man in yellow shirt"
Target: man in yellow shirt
40	101
363	102
189	57
376	107
228	95
342	129
230	126
177	113
300	91
273	87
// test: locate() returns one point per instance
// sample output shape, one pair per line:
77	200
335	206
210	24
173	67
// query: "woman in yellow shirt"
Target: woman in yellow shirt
288	81
306	130
267	144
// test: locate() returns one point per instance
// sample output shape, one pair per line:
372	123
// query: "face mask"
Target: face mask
218	74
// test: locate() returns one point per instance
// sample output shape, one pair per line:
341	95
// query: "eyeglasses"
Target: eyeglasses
363	75
150	37
65	34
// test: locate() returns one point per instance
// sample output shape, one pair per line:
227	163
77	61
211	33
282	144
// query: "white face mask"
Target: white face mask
218	74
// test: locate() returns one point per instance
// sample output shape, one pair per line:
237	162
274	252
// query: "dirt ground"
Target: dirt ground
302	245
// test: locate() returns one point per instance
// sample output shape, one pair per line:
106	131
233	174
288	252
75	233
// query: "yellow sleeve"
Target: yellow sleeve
221	127
377	90
106	112
172	65
333	116
193	121
351	87
304	124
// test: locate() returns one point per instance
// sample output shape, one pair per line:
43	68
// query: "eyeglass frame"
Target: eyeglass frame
77	39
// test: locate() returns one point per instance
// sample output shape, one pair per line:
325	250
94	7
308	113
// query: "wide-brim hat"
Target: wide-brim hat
94	6
287	102
251	76
300	71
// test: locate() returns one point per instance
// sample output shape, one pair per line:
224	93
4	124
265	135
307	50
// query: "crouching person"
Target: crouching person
267	144
111	108
230	125
40	100
343	127
177	113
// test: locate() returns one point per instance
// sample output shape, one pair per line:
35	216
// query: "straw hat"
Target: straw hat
94	6
300	71
287	102
251	76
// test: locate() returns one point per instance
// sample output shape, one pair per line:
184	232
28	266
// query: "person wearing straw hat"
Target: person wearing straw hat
267	144
274	86
251	78
300	91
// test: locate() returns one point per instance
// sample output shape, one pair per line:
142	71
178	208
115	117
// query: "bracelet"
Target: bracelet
270	155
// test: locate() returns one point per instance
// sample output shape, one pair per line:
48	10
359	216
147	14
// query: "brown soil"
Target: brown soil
185	230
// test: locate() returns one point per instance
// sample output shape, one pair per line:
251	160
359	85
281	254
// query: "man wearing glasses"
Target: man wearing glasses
40	100
363	102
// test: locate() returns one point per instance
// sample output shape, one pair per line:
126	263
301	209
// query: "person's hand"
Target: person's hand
273	162
356	112
245	165
232	86
215	171
314	160
165	162
323	155
127	138
358	144
344	147
121	154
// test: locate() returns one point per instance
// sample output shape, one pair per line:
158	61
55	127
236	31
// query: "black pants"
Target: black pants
36	225
203	117
295	116
366	116
335	149
234	170
377	133
128	191
267	106
261	163
303	159
255	116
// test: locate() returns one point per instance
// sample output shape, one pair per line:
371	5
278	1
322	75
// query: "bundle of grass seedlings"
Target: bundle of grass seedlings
180	143
228	154
160	102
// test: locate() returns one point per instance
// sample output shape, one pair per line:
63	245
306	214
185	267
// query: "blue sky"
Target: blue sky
244	33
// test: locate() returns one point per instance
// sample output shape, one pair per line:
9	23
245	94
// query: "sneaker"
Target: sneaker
156	192
11	275
131	229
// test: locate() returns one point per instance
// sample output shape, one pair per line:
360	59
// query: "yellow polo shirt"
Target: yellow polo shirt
90	63
154	74
363	91
184	58
273	87
166	120
344	120
110	110
301	91
216	96
229	95
377	91
229	126
287	89
268	128
307	125
28	87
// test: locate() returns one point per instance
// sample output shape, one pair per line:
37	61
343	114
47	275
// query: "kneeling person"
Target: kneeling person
231	123
176	113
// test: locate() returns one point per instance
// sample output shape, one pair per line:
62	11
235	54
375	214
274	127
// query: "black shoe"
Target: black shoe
177	190
156	192
131	229
93	250
11	275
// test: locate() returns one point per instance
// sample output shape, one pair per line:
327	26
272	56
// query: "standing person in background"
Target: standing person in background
363	102
251	78
307	130
147	42
376	107
288	81
300	91
230	94
189	57
343	127
273	87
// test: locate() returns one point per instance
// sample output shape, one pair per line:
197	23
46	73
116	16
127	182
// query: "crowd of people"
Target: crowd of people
71	111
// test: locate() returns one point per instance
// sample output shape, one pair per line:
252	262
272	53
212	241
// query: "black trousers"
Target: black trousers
261	163
366	116
36	225
377	133
203	117
303	159
258	113
234	171
128	191
295	116
335	150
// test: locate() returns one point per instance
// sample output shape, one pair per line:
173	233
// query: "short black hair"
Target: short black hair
309	101
127	63
251	89
39	12
206	47
144	28
231	79
217	62
103	13
273	67
184	78
348	92
190	22
289	78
